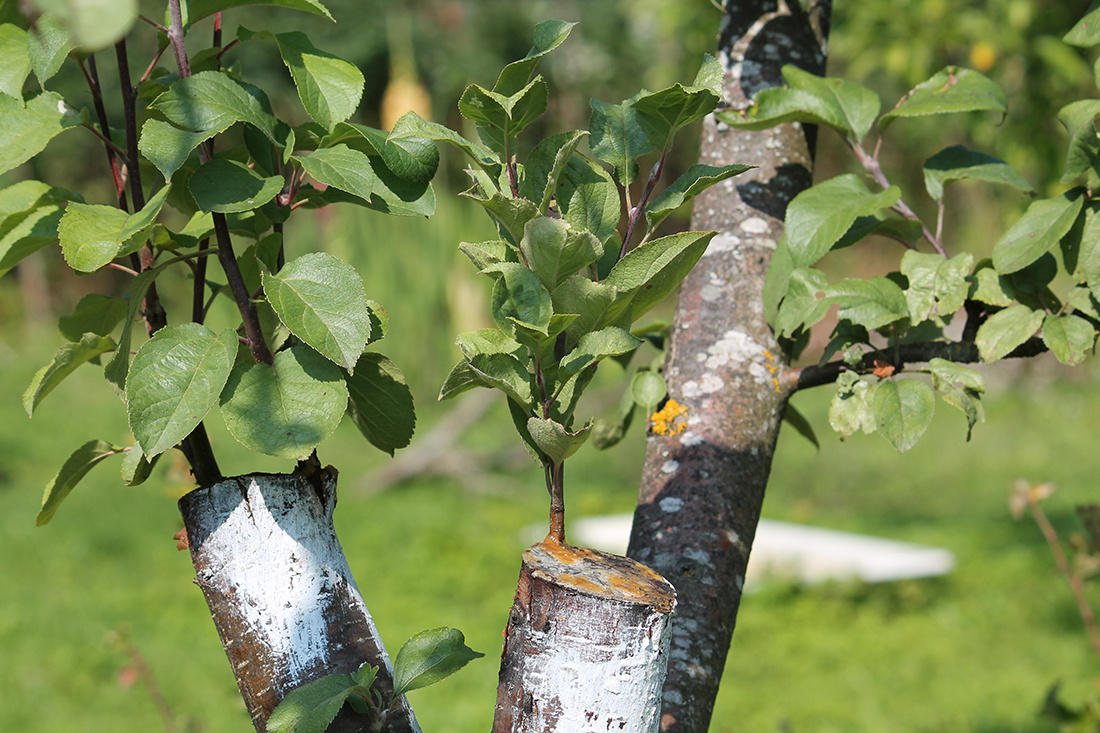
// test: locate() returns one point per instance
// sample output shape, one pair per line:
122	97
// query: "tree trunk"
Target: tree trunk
280	591
702	489
586	644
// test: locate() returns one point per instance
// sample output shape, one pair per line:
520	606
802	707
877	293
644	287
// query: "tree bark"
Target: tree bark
280	592
586	644
702	489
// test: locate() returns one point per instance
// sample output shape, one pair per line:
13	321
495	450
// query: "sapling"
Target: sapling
578	260
280	347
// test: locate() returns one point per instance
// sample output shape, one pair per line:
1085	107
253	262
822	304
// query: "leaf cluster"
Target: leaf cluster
1038	291
576	262
427	658
223	167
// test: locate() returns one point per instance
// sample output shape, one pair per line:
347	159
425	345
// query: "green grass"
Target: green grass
974	651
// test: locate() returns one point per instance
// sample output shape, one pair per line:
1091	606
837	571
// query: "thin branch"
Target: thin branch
249	317
639	210
114	150
871	165
1062	562
152	65
91	75
149	21
794	378
122	268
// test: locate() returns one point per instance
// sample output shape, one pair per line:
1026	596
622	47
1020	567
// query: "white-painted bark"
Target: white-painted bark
586	646
279	588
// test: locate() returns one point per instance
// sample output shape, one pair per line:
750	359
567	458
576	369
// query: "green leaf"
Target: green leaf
845	106
802	426
500	371
64	363
661	114
311	707
554	442
549	34
1069	337
288	408
936	285
850	409
429	657
380	404
618	138
596	304
174	380
1086	32
84	459
1005	330
903	409
545	166
29	214
871	303
412	127
588	198
136	467
697	179
321	300
15	62
199	107
1038	231
555	251
95	313
986	286
27	129
461	378
648	389
946	373
93	24
115	370
410	158
801	308
92	235
484	254
500	117
203	8
329	87
48	46
599	345
1083	152
647	274
343	168
486	341
949	91
518	294
818	217
512	213
228	186
957	163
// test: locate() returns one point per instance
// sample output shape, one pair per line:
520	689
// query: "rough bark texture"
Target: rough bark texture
586	644
702	489
280	591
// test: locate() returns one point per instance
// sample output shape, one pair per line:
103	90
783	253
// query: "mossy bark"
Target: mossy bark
702	489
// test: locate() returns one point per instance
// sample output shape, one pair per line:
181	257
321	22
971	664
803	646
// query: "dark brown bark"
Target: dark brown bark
586	644
280	591
702	489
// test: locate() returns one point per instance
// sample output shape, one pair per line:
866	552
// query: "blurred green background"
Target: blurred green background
102	585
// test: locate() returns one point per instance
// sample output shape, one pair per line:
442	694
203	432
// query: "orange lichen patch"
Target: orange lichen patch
599	574
665	420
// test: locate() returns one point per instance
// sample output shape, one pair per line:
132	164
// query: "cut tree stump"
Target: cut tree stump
586	645
280	592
